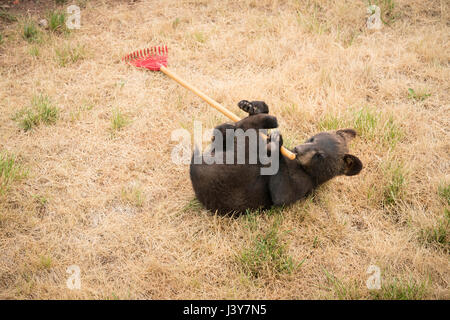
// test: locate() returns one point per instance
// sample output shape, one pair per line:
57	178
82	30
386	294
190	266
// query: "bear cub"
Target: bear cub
236	187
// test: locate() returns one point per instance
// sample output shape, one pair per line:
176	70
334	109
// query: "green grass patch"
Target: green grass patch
266	255
331	122
199	37
175	23
133	195
67	54
439	233
398	289
57	22
192	205
444	193
251	218
40	199
419	95
365	122
118	120
30	32
10	171
42	111
343	291
7	17
79	111
313	20
34	51
395	185
370	123
392	132
46	262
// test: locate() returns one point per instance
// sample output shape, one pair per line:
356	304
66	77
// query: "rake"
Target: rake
155	59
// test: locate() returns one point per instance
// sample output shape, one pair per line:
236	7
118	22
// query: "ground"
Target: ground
85	150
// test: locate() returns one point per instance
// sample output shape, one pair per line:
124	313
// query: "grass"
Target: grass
366	121
439	233
343	291
312	21
444	193
41	200
1	39
392	132
398	289
80	111
42	111
175	23
395	185
46	262
7	17
371	124
68	54
133	195
331	122
193	205
10	170
199	37
267	255
419	95
57	22
118	120
34	51
30	32
153	239
389	13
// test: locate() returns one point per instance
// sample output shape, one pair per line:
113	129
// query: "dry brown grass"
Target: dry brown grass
116	206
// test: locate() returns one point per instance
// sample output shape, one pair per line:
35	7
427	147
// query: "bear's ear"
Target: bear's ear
347	134
352	165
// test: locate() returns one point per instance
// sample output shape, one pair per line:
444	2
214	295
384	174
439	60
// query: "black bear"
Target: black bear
235	187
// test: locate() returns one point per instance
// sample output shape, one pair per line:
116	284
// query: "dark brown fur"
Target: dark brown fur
228	188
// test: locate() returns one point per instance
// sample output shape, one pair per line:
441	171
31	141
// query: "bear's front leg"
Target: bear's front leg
258	121
254	107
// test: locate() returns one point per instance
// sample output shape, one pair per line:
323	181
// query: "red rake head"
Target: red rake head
150	58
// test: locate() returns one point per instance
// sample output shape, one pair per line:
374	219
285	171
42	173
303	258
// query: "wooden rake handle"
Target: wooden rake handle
214	104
